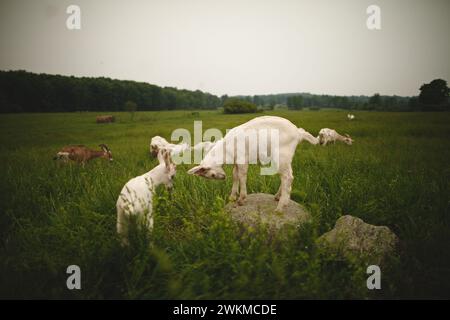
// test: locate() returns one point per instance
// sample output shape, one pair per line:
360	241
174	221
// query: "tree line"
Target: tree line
22	91
433	96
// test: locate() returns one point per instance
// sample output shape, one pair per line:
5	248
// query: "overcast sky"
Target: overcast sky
235	47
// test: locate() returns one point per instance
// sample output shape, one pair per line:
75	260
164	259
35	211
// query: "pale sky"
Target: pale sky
235	46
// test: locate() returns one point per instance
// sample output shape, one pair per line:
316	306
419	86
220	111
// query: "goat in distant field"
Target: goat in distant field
105	119
329	135
82	154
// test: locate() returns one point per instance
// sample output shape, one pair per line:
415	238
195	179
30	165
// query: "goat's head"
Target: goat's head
106	152
348	140
169	168
216	172
320	138
156	144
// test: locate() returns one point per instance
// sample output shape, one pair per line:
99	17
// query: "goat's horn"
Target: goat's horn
103	146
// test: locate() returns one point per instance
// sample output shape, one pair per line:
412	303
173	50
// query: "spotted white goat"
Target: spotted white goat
288	138
329	135
136	197
158	143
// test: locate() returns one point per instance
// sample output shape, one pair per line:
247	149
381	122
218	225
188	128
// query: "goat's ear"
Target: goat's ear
347	135
198	170
167	158
160	155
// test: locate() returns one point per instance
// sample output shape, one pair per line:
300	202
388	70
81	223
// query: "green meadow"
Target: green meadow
53	215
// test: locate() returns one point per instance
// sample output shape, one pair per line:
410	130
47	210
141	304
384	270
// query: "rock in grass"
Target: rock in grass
259	208
352	238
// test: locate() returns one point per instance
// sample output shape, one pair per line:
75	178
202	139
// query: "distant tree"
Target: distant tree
375	102
413	104
256	100
295	102
375	99
130	107
344	103
238	106
434	95
223	98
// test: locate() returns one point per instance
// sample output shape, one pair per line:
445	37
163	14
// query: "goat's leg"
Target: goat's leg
149	221
286	187
243	168
278	194
235	188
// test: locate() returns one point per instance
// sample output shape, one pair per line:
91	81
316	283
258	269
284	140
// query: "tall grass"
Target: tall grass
54	215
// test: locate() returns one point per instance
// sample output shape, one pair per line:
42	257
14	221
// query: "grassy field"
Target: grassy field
397	174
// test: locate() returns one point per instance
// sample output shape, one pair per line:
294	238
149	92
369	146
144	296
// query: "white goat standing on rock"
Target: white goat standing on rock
224	151
329	135
136	197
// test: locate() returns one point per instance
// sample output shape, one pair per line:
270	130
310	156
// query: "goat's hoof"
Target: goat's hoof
277	198
241	202
279	209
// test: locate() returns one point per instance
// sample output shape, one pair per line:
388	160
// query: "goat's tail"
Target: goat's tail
305	135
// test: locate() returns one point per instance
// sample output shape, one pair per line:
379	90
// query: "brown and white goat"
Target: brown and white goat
82	154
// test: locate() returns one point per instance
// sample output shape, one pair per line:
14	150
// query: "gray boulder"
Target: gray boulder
352	238
259	208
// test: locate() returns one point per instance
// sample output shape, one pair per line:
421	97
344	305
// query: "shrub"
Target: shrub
238	106
131	107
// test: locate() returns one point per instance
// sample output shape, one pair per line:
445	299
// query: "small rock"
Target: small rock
352	237
259	208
